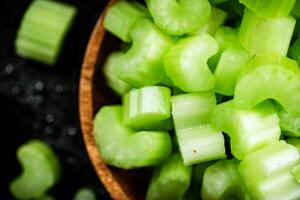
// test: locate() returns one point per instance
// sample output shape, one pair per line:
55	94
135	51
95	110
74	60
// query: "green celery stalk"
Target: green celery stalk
289	124
170	180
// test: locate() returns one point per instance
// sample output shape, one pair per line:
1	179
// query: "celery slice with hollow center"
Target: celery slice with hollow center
269	77
147	108
265	36
170	180
186	63
122	147
179	17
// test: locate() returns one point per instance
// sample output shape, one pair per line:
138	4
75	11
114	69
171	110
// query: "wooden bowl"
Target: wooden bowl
93	93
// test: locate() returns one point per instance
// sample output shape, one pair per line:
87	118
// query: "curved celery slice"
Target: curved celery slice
200	144
265	36
289	124
147	108
216	19
269	77
43	29
267	163
41	170
270	8
186	63
189	110
110	69
120	146
170	180
121	17
228	68
222	181
179	17
249	129
142	65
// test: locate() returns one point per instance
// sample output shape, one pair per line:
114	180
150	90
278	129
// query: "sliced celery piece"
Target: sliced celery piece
41	170
228	69
142	65
282	186
267	163
221	181
147	107
295	142
264	36
121	147
43	29
262	74
295	51
111	67
216	19
289	124
186	63
179	17
189	110
121	17
270	8
200	144
249	129
296	173
170	180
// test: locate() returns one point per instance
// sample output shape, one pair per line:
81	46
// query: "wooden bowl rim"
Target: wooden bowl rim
86	110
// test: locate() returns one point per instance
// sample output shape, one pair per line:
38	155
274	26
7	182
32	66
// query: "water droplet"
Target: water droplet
71	131
49	118
59	88
15	90
39	86
9	69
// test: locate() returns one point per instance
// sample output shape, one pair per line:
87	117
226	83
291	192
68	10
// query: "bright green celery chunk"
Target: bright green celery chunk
122	147
179	17
110	69
170	180
267	163
186	63
216	19
142	65
85	194
227	38
228	68
269	77
295	142
265	36
282	186
270	8
295	51
200	144
249	129
121	17
289	124
147	108
222	181
189	110
43	29
41	170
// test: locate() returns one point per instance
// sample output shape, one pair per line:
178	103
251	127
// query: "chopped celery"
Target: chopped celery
221	181
200	144
289	124
265	36
189	110
267	163
110	69
269	77
270	8
249	129
296	173
85	194
170	180
295	51
41	170
142	64
228	68
121	17
147	108
43	29
295	142
216	19
186	63
121	147
179	17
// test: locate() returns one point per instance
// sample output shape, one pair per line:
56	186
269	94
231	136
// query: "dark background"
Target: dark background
37	101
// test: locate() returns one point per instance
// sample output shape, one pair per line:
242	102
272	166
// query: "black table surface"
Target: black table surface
37	101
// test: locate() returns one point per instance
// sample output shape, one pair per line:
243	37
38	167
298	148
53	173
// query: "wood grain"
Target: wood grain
93	93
